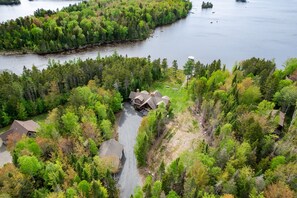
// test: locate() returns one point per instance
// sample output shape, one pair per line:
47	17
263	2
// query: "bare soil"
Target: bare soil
182	133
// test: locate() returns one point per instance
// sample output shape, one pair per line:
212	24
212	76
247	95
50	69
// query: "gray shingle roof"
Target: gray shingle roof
111	148
20	127
151	99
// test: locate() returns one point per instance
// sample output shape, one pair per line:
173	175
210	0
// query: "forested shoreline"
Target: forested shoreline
10	2
89	23
36	92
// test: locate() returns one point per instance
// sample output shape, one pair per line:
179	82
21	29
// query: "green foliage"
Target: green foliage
29	165
53	175
188	67
116	104
29	146
70	123
286	97
93	148
251	96
265	107
174	177
151	128
88	23
138	192
82	96
35	92
241	134
22	114
71	193
276	161
100	111
290	66
141	148
172	194
99	190
84	187
105	126
236	113
157	189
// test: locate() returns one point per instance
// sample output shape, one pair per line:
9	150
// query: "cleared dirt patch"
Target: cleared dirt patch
181	134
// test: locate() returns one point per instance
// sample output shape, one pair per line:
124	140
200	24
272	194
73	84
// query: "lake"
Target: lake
231	31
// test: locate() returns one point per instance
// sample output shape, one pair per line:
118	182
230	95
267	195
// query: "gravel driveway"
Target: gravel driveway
5	156
128	128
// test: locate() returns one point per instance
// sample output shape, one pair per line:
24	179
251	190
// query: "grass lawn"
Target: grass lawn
39	118
172	87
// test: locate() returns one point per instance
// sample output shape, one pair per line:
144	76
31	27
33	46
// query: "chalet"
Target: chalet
146	101
112	153
21	128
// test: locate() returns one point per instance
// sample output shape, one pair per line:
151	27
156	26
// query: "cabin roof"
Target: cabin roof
111	148
20	127
152	99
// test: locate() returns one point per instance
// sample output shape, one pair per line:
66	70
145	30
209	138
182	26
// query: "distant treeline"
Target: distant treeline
94	22
9	2
36	92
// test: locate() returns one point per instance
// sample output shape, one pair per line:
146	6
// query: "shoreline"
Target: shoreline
72	50
88	46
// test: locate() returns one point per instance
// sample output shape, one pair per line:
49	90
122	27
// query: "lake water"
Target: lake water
230	31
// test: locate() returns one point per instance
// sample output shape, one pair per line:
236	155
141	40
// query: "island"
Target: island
206	5
89	24
10	2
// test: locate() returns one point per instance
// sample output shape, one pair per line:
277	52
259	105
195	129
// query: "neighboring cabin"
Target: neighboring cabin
20	128
147	101
112	152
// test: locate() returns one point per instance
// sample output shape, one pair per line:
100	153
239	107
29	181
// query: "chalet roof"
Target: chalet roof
111	148
151	99
20	127
28	125
140	97
157	93
282	115
150	102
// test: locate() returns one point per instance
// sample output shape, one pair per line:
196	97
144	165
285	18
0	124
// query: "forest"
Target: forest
82	98
249	149
36	92
94	22
10	2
